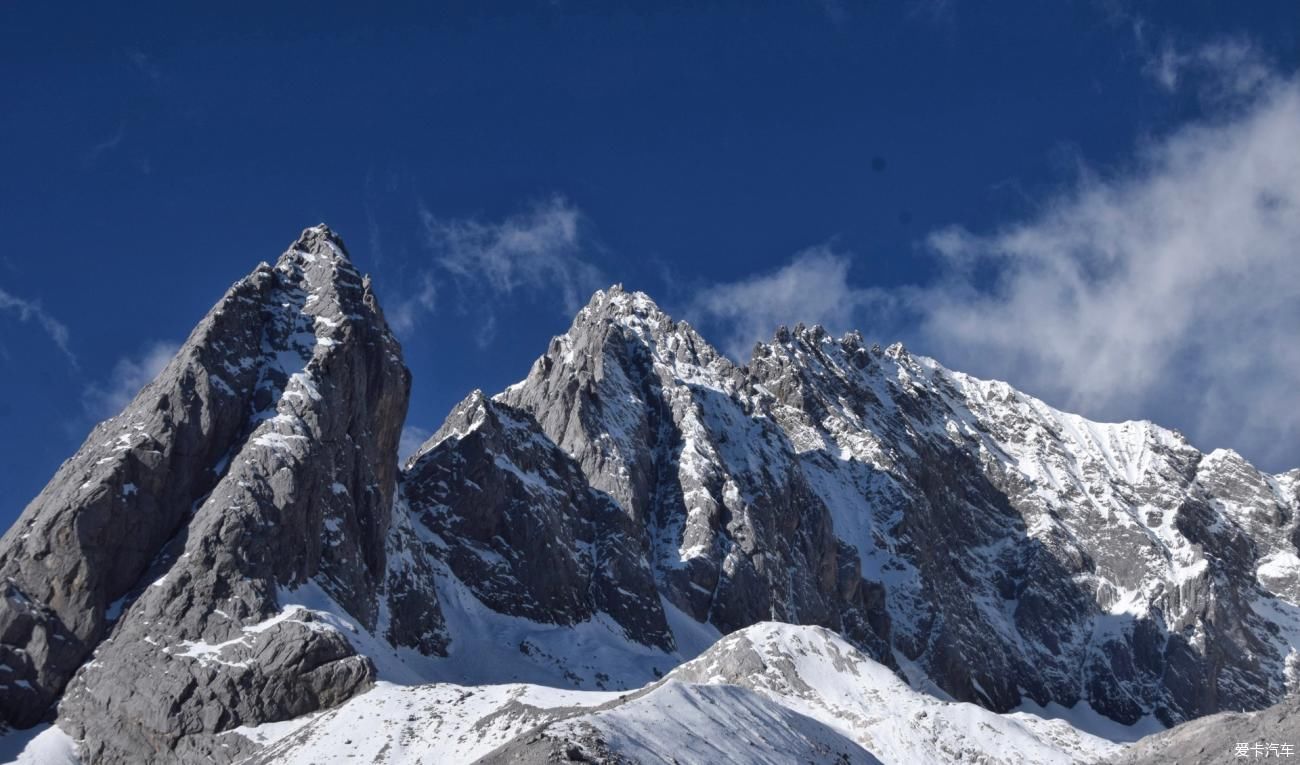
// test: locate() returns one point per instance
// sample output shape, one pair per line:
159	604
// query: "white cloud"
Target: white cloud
814	289
1224	70
1170	292
129	375
413	437
31	310
539	251
1173	292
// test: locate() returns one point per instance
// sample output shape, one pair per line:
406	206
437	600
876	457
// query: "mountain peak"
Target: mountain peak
896	351
616	302
258	462
320	238
320	246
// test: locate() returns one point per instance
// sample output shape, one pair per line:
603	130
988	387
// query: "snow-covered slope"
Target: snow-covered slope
438	723
1270	733
771	693
781	693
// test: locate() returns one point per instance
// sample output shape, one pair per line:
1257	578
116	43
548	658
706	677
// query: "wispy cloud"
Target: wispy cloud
1169	292
536	249
108	144
405	313
1225	70
834	10
813	288
31	311
144	63
129	375
540	251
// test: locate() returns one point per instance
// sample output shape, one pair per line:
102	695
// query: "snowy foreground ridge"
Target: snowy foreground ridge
770	693
641	552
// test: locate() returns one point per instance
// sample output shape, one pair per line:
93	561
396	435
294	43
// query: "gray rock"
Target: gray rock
1222	738
1010	551
518	523
219	554
86	540
281	476
655	417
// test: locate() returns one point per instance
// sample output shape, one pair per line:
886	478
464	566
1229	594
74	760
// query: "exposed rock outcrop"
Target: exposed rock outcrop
518	523
261	461
1007	550
658	419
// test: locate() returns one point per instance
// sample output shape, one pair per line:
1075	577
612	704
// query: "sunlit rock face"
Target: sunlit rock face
1006	550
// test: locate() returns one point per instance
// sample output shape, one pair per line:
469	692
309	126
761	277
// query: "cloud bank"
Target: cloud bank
1170	291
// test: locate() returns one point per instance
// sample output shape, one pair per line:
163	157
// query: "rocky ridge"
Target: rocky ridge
238	549
954	527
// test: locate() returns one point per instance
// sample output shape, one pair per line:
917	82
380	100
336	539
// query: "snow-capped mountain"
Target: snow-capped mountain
642	551
957	528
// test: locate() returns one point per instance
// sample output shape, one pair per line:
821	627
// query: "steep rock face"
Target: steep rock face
232	550
517	522
1007	551
653	416
926	535
1029	552
84	542
260	461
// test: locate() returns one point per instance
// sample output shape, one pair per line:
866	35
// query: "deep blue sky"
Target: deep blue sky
151	155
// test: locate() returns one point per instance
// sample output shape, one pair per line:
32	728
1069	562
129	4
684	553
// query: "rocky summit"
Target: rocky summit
641	552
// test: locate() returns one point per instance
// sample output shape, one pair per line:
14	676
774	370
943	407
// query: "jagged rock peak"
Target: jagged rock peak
320	240
464	417
815	338
318	259
617	305
631	330
259	462
637	311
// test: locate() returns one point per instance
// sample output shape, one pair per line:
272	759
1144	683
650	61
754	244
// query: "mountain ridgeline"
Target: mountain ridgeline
239	546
